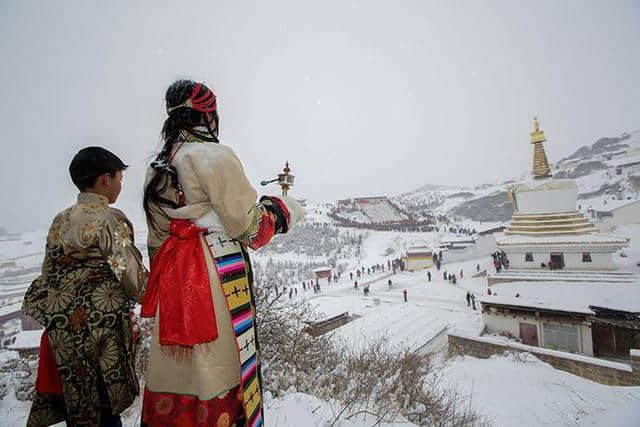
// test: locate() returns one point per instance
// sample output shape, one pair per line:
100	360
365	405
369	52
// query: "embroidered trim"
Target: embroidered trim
231	268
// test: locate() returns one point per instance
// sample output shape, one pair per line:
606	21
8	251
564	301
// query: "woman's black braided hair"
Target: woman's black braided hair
182	119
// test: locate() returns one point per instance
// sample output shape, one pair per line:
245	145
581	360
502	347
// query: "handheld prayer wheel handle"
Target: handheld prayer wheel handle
284	179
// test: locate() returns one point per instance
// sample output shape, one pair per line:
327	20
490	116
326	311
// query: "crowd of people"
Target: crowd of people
500	261
457	229
407	225
314	284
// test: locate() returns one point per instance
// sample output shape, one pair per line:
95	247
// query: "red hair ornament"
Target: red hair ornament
205	103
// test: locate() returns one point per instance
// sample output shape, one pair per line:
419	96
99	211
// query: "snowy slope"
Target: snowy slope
529	392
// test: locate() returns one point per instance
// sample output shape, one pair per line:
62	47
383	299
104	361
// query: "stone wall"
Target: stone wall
603	373
322	327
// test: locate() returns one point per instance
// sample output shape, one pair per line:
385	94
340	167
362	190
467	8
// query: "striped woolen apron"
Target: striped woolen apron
231	267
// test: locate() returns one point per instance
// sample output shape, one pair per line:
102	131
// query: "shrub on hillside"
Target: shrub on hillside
380	383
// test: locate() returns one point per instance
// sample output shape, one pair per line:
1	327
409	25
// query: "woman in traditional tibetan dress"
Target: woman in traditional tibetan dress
202	213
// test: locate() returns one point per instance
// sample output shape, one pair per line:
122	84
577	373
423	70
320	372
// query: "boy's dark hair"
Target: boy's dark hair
90	163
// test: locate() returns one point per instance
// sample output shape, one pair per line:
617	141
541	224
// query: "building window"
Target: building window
528	257
586	256
561	337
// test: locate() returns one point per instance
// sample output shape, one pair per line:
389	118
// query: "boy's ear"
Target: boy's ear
103	180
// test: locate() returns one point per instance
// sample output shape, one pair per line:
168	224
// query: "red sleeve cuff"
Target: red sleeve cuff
283	207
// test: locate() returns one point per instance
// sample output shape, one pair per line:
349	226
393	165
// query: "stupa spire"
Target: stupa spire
541	167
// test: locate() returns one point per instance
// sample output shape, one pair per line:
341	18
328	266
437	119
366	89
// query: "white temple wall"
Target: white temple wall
599	261
560	200
517	260
497	323
628	214
572	260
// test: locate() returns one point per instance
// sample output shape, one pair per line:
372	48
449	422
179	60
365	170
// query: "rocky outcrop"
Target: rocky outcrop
493	207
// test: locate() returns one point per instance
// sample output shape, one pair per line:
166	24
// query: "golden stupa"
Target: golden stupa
541	167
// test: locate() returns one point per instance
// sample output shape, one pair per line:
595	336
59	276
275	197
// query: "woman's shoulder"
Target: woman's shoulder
207	150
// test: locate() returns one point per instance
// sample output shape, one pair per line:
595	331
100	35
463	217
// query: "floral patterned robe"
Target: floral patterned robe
91	276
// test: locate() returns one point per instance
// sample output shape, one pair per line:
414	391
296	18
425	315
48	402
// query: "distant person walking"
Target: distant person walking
404	292
429	275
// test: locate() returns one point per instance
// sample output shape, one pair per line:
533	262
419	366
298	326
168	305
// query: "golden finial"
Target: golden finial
537	135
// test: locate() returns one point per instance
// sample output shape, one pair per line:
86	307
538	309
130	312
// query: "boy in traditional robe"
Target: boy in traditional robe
92	275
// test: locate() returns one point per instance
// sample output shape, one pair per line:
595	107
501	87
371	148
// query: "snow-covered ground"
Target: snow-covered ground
299	409
545	396
13	412
529	392
507	390
631	259
431	306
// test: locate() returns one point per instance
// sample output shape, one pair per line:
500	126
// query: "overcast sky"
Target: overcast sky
362	97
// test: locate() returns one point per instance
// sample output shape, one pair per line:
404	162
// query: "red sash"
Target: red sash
179	282
48	379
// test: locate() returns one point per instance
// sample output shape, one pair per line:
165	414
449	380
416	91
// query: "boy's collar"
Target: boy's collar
87	198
